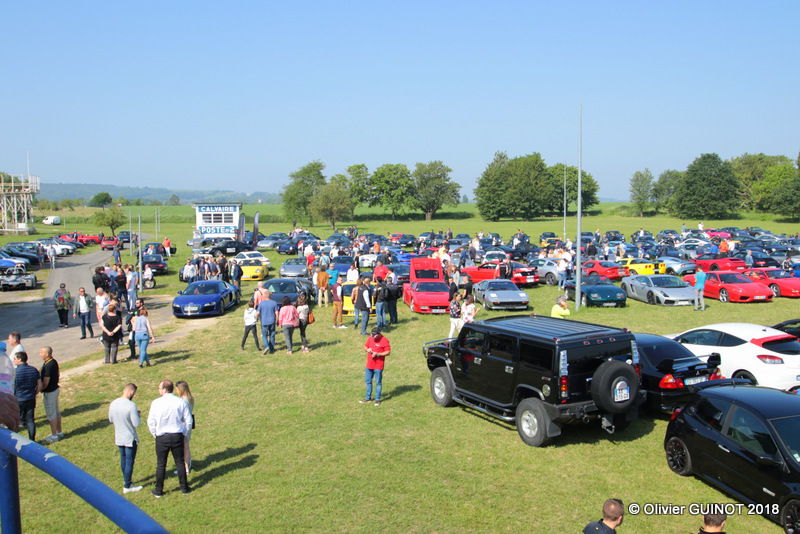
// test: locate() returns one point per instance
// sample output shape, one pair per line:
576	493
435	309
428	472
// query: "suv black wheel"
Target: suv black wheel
532	422
441	387
678	457
609	379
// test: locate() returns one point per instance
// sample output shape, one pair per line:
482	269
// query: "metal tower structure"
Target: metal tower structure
16	203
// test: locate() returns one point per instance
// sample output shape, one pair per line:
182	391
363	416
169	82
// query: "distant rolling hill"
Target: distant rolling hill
187	196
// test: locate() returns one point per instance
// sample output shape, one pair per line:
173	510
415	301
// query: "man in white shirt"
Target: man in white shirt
14	344
169	421
124	415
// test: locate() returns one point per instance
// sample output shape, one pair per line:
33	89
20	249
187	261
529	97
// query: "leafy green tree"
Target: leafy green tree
138	201
297	194
489	194
708	190
359	183
155	202
112	217
66	204
393	188
589	188
122	201
641	190
664	189
101	200
333	202
174	200
751	169
531	189
433	187
782	185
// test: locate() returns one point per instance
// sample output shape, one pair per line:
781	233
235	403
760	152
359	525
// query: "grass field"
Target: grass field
282	444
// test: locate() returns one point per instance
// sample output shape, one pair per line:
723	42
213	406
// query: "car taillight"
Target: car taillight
670	382
769	359
716	375
638	368
675	414
564	389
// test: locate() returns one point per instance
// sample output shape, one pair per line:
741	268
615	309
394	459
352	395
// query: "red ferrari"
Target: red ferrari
781	283
81	238
609	269
710	262
522	274
426	291
732	286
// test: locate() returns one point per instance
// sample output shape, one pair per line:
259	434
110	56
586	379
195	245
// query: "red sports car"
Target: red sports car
781	283
609	269
732	286
109	242
715	232
522	274
710	262
81	238
426	291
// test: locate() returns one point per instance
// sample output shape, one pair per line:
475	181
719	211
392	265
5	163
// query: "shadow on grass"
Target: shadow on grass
399	390
169	356
85	429
75	410
323	344
212	466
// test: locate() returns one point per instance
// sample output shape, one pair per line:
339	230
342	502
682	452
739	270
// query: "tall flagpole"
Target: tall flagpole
565	201
578	262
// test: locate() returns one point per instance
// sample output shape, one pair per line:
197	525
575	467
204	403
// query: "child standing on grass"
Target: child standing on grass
250	318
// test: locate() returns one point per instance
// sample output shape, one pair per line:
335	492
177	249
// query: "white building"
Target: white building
217	219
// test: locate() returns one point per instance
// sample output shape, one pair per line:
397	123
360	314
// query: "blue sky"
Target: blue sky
236	95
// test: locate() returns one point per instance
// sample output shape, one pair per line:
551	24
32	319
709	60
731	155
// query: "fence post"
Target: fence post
10	521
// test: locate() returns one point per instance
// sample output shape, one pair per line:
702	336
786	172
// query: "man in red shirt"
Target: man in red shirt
377	347
380	271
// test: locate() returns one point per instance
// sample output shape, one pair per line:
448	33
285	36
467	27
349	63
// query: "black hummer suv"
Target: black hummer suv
539	372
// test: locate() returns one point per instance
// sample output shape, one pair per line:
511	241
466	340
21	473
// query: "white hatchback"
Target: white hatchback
766	356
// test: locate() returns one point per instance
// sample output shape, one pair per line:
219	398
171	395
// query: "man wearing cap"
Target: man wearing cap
336	297
377	347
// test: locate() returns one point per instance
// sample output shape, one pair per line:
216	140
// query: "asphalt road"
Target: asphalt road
36	319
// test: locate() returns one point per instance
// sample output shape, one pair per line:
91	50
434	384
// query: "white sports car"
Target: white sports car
764	355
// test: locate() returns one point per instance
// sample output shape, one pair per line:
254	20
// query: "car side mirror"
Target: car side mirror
768	461
715	359
180	292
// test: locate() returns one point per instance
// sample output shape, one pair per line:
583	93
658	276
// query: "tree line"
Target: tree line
310	195
712	188
525	187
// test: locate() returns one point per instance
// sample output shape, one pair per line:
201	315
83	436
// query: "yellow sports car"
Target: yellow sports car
347	303
643	266
253	270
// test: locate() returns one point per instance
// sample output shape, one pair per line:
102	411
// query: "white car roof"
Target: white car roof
746	331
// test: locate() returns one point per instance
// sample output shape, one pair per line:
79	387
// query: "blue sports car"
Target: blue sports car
206	297
288	287
597	290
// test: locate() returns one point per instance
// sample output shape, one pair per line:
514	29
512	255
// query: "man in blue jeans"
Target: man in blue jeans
268	312
699	288
362	303
378	348
124	415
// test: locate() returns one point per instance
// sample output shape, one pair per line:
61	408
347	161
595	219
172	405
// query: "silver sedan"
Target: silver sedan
500	295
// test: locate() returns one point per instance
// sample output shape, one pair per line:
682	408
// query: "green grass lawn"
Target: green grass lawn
282	444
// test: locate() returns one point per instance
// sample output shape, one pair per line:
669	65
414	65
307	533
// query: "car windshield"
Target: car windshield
282	287
202	288
655	352
296	261
342	260
609	264
734	278
515	265
777	273
783	346
501	285
151	258
432	287
597	280
250	263
668	281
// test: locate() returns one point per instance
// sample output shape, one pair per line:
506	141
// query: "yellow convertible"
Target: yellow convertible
253	270
347	302
643	266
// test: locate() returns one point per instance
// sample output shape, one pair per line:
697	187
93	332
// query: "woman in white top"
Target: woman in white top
468	310
303	311
250	319
182	388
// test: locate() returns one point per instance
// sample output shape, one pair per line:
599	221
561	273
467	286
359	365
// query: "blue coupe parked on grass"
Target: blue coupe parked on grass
206	297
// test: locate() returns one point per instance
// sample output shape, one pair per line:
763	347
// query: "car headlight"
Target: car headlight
493	295
620	295
523	295
594	295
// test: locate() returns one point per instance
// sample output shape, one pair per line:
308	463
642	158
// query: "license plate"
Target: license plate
695	380
529	279
192	309
437	311
759	297
609	304
621	395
